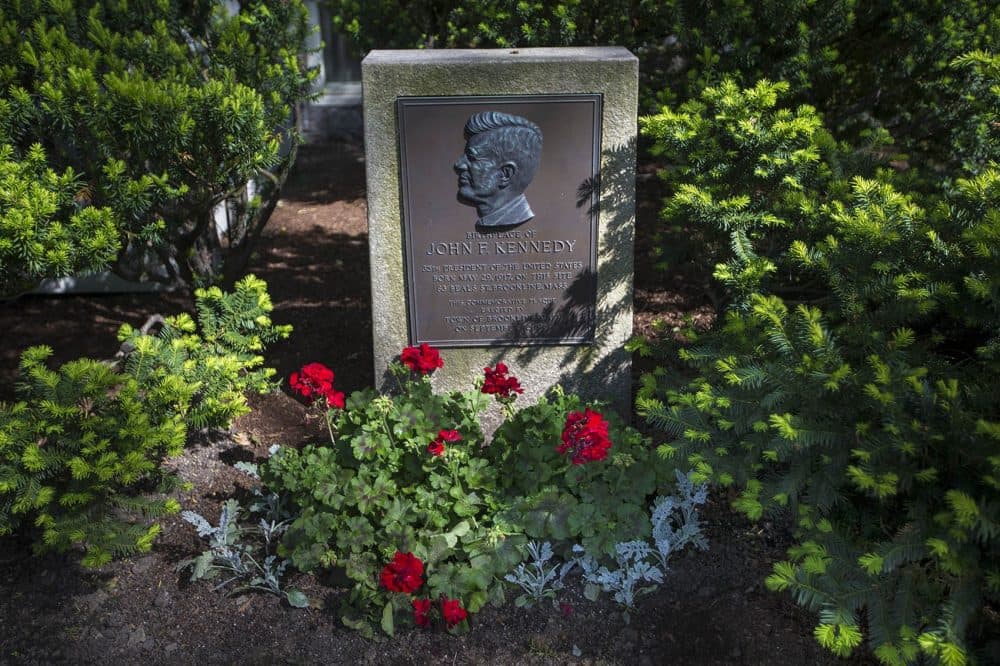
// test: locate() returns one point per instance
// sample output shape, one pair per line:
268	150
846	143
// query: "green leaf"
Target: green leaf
360	625
461	528
296	598
782	578
387	619
871	563
439	547
965	508
841	639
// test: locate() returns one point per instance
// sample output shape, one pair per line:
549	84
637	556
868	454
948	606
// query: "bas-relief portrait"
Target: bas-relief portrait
502	153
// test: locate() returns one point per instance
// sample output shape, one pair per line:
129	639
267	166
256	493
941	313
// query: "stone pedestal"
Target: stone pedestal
551	296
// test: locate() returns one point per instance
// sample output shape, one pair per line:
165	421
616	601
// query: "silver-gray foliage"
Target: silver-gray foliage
675	520
538	581
229	554
625	582
225	552
675	525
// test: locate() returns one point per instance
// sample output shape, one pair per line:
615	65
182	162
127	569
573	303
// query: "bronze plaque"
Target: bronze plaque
500	218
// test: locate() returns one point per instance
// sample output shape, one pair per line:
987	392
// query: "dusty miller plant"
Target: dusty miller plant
538	581
275	516
624	581
675	525
229	554
225	551
673	531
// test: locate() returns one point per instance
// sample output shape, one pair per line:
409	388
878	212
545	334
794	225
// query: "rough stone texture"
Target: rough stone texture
597	371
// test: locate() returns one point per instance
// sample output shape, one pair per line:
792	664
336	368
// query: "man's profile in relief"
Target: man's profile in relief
502	152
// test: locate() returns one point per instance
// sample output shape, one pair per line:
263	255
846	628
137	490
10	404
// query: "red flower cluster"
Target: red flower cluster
315	380
436	448
423	359
451	611
421	607
403	574
586	435
499	384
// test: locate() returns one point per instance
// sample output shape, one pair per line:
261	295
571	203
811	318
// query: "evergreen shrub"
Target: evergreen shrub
851	381
154	112
81	449
43	230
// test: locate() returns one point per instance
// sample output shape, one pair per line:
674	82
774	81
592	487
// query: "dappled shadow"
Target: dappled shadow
74	326
319	285
615	203
314	258
325	173
313	255
572	319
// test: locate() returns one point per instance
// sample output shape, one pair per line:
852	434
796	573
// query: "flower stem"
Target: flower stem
329	425
388	430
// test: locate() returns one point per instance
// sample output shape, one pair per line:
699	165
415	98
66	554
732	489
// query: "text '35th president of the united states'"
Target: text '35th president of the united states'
502	152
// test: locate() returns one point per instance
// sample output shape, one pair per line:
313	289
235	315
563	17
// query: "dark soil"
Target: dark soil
711	609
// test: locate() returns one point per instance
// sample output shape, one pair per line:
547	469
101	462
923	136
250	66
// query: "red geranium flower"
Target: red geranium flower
423	359
421	607
436	448
315	380
586	436
403	574
452	611
499	384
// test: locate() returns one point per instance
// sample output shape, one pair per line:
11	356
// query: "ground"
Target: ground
712	609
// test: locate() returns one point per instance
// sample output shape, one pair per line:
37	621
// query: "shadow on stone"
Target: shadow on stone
612	195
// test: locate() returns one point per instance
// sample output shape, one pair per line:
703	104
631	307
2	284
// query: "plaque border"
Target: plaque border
597	99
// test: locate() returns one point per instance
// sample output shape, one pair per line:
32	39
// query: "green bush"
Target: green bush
596	506
852	381
156	112
43	229
466	514
743	184
82	447
490	24
870	65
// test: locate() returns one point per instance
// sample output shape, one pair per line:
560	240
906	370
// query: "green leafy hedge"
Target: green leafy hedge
82	447
866	65
156	112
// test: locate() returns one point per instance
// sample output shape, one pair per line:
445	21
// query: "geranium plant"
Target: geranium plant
314	384
585	437
423	360
505	388
572	473
315	380
409	504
